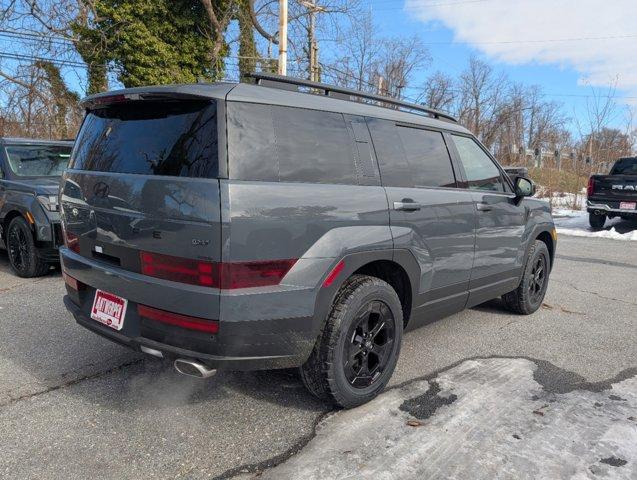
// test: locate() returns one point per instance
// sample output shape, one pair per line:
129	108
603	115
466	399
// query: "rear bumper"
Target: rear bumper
249	342
278	359
607	207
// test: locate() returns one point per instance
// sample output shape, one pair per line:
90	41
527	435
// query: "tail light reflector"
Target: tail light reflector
72	282
591	187
178	320
72	241
333	274
213	274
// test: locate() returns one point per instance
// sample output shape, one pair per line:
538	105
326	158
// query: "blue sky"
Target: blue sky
566	58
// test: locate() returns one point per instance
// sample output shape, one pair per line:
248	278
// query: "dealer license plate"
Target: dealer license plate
109	309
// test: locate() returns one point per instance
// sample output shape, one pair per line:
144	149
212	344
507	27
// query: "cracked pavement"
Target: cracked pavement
73	405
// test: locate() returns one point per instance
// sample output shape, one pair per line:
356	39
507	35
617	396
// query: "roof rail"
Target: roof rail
291	83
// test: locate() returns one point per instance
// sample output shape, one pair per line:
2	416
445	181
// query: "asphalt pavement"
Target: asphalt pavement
73	405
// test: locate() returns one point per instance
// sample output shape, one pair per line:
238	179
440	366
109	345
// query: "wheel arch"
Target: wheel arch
397	267
546	237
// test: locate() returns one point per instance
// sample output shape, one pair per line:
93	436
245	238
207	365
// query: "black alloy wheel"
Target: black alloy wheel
371	337
18	248
24	257
538	279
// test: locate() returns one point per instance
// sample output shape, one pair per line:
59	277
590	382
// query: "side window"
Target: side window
394	169
482	174
313	146
252	151
428	157
272	143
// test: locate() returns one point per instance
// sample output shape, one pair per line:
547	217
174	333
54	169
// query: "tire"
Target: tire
596	221
528	297
365	324
23	255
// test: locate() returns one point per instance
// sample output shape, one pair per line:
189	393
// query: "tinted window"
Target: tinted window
428	157
289	144
482	174
155	138
395	171
313	146
38	160
252	151
625	166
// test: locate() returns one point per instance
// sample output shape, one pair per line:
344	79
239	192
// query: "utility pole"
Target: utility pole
283	37
312	46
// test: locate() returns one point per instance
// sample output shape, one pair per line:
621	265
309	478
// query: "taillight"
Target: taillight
193	272
213	274
591	187
254	274
178	320
72	241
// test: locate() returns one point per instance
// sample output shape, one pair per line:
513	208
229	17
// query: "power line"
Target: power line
34	58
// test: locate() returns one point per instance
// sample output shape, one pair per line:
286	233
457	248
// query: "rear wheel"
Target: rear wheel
356	355
529	295
23	255
596	221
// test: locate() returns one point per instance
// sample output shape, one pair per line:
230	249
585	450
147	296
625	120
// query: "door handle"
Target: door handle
407	206
483	207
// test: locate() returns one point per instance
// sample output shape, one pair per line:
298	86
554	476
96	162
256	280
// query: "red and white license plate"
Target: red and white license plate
627	205
109	309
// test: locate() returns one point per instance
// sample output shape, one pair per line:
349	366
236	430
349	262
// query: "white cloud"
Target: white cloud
484	23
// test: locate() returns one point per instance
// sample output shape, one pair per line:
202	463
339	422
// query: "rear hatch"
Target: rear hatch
142	195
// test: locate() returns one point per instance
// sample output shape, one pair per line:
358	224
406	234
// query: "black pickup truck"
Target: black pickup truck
613	195
30	172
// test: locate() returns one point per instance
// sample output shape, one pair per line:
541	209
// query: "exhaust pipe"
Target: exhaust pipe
193	368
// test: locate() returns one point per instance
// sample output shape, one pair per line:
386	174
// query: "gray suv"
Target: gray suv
289	224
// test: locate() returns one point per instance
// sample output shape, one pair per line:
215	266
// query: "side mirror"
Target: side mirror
524	187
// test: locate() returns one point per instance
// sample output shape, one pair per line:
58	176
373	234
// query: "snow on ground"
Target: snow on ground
483	419
574	222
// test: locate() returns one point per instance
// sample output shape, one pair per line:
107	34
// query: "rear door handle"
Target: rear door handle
483	207
407	206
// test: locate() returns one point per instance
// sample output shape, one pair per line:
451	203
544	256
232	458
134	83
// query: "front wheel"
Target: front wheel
528	297
596	221
23	256
356	355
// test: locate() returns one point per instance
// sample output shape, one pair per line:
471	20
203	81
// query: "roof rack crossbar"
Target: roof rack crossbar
270	80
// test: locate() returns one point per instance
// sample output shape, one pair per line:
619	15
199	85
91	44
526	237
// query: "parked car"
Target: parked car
30	172
613	195
250	227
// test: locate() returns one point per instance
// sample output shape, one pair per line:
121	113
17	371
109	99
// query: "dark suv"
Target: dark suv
250	226
30	172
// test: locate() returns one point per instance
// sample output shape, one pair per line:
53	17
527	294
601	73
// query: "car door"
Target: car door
500	222
429	215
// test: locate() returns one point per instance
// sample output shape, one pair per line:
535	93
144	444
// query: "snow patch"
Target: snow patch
501	424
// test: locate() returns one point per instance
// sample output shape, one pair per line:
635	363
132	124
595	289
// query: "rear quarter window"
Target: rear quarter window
151	138
289	144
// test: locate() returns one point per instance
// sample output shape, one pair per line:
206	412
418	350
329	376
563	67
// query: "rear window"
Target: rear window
38	160
625	166
150	138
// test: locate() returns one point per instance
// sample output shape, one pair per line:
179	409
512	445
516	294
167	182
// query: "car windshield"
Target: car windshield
38	160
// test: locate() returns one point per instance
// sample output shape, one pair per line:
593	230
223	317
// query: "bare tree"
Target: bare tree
438	92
